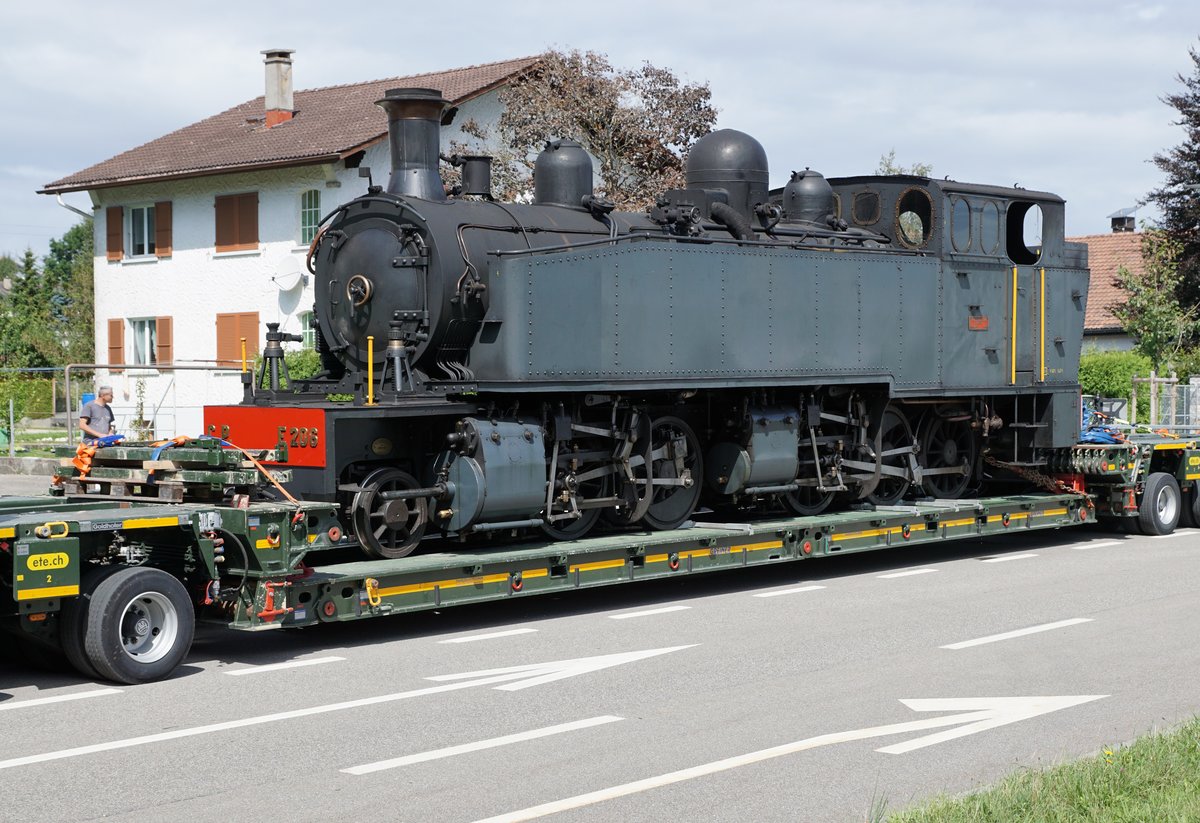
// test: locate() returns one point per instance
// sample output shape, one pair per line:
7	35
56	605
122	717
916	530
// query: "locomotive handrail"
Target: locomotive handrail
705	241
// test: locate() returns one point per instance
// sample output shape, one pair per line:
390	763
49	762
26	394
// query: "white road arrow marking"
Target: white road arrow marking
530	675
988	713
535	674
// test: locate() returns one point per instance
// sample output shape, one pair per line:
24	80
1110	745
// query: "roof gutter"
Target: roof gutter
69	207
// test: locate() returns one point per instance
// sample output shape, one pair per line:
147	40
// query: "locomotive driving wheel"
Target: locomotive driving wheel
947	444
676	471
895	434
388	528
807	501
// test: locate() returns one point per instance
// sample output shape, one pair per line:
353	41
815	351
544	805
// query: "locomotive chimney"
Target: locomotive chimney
279	85
415	118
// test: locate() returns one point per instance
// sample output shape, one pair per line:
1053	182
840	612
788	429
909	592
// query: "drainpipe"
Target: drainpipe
69	207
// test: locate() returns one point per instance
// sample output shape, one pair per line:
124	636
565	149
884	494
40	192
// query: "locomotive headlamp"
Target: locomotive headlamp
381	446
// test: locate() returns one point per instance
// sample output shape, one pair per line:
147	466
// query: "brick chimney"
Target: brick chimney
279	85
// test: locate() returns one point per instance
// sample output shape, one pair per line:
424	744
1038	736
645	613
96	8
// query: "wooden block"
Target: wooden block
160	465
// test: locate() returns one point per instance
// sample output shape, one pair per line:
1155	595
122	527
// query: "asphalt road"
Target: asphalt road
760	694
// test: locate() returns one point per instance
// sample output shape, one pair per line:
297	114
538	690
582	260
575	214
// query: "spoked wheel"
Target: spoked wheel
587	489
947	444
896	434
388	528
676	468
807	501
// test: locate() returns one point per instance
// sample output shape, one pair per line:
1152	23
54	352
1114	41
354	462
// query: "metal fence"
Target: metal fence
1174	406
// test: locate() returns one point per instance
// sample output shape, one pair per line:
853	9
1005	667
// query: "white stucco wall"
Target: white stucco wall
195	283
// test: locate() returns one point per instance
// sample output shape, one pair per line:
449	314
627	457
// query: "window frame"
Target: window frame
310	215
143	331
149	224
308	331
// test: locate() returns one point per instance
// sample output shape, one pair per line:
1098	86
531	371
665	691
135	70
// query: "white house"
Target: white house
201	235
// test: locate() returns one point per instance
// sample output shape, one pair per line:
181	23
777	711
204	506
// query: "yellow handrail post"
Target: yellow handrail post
243	354
370	370
1042	305
1013	341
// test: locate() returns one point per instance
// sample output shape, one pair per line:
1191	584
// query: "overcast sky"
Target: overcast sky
1058	96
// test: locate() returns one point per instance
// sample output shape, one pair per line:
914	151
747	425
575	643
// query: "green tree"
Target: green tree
68	279
8	266
636	123
888	165
1178	199
1152	313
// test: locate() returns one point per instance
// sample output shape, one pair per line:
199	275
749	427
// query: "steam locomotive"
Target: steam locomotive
554	364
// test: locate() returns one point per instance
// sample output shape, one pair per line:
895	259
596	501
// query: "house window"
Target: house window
310	215
144	341
308	331
237	222
231	328
141	231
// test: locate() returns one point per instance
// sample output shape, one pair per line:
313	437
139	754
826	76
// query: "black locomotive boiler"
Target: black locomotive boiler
546	365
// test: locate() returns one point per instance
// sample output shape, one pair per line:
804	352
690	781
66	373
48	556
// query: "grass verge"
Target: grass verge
1155	778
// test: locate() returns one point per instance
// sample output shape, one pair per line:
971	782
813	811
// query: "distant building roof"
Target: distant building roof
1106	254
329	123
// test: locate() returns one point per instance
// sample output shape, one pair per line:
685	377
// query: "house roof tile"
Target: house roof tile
329	123
1106	254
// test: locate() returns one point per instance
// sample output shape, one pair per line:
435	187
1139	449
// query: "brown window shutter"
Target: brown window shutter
227	344
248	221
248	328
114	219
226	223
162	229
164	347
116	340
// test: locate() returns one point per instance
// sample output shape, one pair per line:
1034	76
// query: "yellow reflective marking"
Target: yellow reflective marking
1013	340
51	591
150	522
600	564
457	583
867	533
1053	512
657	558
311	538
969	521
535	573
758	547
1042	303
996	518
1158	447
8	533
1191	477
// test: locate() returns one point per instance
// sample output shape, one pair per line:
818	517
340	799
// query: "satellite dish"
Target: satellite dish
289	274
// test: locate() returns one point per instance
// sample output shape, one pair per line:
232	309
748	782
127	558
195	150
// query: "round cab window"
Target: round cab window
914	218
960	224
989	228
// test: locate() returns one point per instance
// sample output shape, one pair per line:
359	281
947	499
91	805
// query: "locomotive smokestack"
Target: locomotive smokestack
415	118
280	105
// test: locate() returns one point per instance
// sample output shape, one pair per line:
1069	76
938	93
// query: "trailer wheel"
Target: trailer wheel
1189	515
139	625
73	621
1161	503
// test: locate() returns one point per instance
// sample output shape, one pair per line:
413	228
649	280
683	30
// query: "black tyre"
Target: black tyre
1189	515
73	621
139	625
1158	513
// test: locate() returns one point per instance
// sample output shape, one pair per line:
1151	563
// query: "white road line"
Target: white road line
1099	544
58	698
290	664
908	573
1008	557
452	751
491	636
789	591
992	638
648	612
1178	533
